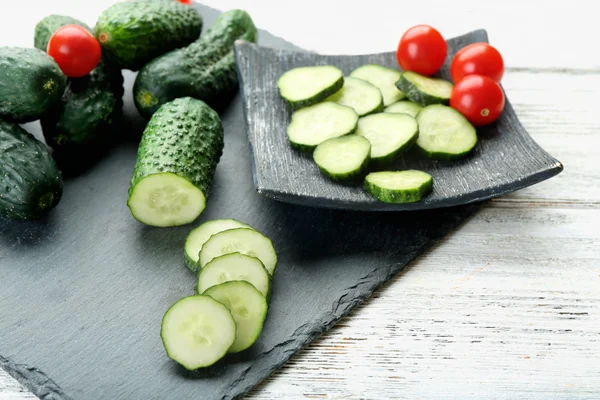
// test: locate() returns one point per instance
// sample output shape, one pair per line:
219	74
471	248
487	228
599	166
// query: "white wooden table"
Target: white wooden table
506	307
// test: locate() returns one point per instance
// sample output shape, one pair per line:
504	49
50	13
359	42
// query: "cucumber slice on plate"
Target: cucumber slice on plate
384	78
235	267
305	86
345	157
424	90
241	240
248	307
197	331
444	133
398	186
198	236
364	97
404	107
313	125
389	134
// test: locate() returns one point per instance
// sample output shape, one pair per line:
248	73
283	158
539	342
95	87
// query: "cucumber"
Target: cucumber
384	78
197	237
197	331
345	157
313	125
176	162
248	307
242	240
404	107
364	97
389	134
424	90
306	86
235	267
444	133
398	186
45	28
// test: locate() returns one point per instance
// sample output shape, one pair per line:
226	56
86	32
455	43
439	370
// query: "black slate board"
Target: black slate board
83	291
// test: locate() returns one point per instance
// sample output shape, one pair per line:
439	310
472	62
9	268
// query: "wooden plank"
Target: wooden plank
10	389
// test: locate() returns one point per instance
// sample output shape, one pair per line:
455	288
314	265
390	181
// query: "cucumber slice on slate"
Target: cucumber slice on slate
389	134
345	157
305	86
404	107
384	78
398	186
424	90
364	97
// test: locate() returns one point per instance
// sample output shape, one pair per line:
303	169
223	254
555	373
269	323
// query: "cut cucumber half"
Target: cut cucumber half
166	199
248	307
384	78
241	240
305	86
424	90
389	134
313	125
235	267
345	157
198	236
398	186
444	133
197	331
404	107
364	97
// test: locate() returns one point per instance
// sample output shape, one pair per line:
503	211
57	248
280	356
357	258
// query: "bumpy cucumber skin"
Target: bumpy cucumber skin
30	182
398	196
184	137
417	96
204	70
132	33
317	98
31	83
47	26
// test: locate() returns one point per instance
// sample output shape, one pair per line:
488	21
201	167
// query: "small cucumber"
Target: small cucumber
404	107
398	186
424	90
364	97
389	134
345	157
384	78
306	86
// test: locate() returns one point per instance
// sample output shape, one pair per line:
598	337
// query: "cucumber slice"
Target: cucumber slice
444	133
305	86
197	331
313	125
398	186
248	307
389	134
235	267
241	240
364	97
404	107
382	77
345	157
424	90
197	237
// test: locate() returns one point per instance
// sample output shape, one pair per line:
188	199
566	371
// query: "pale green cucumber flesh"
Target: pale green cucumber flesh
424	90
345	157
384	78
398	186
404	107
305	86
389	134
362	96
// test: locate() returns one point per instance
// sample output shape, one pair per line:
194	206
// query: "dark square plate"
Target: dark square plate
505	159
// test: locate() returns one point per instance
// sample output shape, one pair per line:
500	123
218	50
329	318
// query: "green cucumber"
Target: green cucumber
344	157
31	83
364	97
389	134
444	133
306	86
197	331
424	90
47	26
384	78
404	107
198	236
313	125
176	161
240	240
398	186
204	70
248	307
30	183
132	33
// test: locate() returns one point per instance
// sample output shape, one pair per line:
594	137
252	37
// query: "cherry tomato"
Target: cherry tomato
422	49
189	2
477	59
75	50
479	98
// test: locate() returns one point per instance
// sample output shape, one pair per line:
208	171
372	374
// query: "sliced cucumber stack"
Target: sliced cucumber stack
345	157
444	133
364	97
404	107
389	134
384	78
424	90
305	86
313	125
398	186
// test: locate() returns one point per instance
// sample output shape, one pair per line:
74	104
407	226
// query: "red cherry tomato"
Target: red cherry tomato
75	50
477	59
479	98
422	49
189	2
